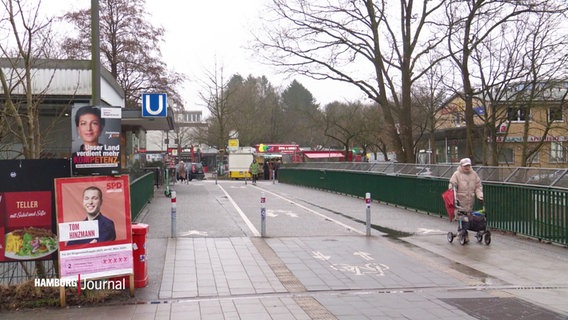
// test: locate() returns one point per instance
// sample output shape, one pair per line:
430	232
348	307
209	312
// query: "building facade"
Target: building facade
528	126
60	85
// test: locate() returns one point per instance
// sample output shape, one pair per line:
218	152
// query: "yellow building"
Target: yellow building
450	130
529	118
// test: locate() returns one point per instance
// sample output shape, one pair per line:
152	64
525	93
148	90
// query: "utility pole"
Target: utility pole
95	54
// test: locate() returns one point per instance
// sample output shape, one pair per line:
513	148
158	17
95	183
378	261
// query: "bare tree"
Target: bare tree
518	67
428	97
372	138
344	123
215	93
471	23
25	42
130	49
545	58
344	40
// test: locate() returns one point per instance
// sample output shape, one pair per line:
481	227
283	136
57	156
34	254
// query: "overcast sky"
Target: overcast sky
202	33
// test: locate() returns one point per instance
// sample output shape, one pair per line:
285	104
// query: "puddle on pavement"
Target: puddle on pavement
389	233
398	236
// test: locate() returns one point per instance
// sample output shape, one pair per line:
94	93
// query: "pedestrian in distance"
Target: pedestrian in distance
276	166
467	185
181	171
254	169
266	170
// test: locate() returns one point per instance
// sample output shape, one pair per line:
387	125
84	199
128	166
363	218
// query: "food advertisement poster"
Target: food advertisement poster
94	227
96	140
26	226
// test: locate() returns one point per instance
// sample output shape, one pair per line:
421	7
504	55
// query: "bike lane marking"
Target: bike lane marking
241	213
314	212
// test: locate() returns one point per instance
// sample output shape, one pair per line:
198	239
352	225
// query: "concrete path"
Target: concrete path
316	263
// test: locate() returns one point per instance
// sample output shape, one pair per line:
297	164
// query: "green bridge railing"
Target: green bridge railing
533	211
141	192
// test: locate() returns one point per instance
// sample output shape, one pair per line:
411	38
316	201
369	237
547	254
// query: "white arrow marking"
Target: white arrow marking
366	256
270	213
291	214
428	231
320	256
194	232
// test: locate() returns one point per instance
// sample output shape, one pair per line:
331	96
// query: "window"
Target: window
195	117
557	153
555	114
506	156
535	158
517	114
459	119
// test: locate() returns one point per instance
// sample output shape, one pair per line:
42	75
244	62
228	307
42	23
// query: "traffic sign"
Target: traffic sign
154	105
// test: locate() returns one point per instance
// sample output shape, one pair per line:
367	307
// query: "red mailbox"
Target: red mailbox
139	231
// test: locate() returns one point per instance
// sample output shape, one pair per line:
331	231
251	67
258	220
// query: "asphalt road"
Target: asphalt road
513	266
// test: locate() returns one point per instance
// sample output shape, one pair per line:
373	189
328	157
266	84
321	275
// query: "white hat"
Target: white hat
465	162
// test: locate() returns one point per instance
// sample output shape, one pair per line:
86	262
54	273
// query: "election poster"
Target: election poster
96	140
94	227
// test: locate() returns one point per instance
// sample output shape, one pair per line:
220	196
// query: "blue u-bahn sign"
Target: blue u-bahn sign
154	105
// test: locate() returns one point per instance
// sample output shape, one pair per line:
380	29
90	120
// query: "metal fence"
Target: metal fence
526	201
551	177
12	273
141	191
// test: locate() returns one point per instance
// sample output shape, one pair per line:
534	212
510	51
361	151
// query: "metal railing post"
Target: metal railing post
368	213
262	215
173	215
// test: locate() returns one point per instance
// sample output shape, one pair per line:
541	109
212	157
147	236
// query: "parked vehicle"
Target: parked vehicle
239	164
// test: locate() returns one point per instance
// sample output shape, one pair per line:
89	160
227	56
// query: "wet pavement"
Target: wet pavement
315	262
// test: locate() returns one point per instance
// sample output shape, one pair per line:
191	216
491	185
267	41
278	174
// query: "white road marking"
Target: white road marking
241	213
320	256
193	232
275	213
315	212
429	231
371	268
270	213
368	268
366	256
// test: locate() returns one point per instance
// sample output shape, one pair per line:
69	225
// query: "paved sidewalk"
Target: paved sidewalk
215	270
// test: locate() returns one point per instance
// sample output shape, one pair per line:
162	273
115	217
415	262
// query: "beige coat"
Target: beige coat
468	186
181	171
